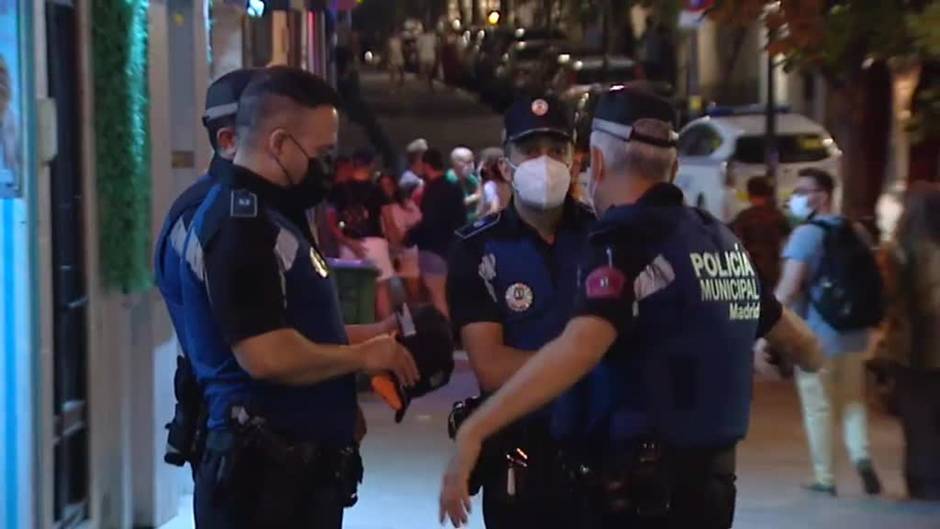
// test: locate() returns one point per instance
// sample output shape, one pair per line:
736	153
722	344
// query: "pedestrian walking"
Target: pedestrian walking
911	341
428	45
358	204
399	216
830	278
659	346
414	153
442	212
763	229
395	61
463	173
497	192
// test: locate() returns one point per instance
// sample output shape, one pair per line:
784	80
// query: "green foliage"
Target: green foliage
925	30
122	141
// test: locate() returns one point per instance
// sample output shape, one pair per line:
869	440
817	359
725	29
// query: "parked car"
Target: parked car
578	75
522	66
718	153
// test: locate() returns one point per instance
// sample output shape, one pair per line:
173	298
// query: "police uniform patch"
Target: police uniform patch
487	271
244	204
319	264
540	107
519	297
605	282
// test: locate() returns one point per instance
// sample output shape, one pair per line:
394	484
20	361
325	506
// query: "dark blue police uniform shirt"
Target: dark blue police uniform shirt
169	246
682	293
502	271
248	270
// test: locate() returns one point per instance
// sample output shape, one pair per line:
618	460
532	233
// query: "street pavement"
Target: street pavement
404	461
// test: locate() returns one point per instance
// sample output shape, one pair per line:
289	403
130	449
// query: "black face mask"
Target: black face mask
317	180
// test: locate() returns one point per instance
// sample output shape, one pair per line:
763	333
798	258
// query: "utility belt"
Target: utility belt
640	477
521	461
251	450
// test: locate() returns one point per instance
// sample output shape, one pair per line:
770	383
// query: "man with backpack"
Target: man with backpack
830	277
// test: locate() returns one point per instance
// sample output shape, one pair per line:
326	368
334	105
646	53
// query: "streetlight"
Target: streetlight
493	18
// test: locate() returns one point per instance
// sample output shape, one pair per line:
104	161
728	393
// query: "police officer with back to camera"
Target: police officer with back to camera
265	332
185	430
512	283
667	312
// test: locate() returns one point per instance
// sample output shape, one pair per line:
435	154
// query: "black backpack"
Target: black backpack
848	285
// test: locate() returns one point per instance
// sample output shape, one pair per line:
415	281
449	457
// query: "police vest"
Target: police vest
323	412
682	373
169	249
534	284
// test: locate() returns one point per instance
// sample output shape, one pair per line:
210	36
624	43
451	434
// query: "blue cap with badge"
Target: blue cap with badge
533	115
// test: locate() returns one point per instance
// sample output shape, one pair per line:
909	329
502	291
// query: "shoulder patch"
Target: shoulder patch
244	204
479	226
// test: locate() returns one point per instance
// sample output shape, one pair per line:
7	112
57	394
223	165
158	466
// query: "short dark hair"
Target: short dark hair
435	159
759	186
263	97
822	178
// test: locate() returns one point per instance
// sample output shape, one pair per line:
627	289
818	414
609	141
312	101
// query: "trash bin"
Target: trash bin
355	282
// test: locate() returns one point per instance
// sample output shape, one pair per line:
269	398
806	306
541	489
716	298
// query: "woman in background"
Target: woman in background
496	188
399	215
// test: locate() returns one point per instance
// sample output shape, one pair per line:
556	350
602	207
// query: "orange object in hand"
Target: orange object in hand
386	387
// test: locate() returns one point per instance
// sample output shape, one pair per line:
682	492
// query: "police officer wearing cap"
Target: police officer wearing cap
667	311
264	328
183	437
512	283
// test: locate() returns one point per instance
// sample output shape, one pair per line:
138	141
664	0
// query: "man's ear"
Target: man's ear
226	142
276	140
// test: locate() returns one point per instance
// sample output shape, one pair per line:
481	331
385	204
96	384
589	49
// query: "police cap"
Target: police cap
532	115
223	94
621	106
426	333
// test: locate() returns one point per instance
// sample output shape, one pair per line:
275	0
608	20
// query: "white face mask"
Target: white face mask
542	182
799	206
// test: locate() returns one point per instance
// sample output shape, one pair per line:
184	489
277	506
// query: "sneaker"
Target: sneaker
869	479
821	488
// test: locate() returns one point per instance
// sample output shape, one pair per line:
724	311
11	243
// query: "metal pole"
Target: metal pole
771	152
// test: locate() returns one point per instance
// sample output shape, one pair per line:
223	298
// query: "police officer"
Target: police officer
265	333
219	120
512	283
668	309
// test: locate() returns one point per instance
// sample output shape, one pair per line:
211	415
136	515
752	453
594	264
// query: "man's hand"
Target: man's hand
763	361
383	353
455	497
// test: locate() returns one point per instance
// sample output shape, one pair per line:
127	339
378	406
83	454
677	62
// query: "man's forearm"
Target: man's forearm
366	331
499	365
286	357
555	368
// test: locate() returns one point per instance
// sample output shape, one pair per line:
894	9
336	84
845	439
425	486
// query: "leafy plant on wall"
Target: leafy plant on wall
122	141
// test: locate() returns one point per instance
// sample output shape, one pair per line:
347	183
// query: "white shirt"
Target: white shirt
427	47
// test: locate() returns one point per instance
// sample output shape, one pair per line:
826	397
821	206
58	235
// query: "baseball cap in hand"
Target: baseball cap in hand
426	333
